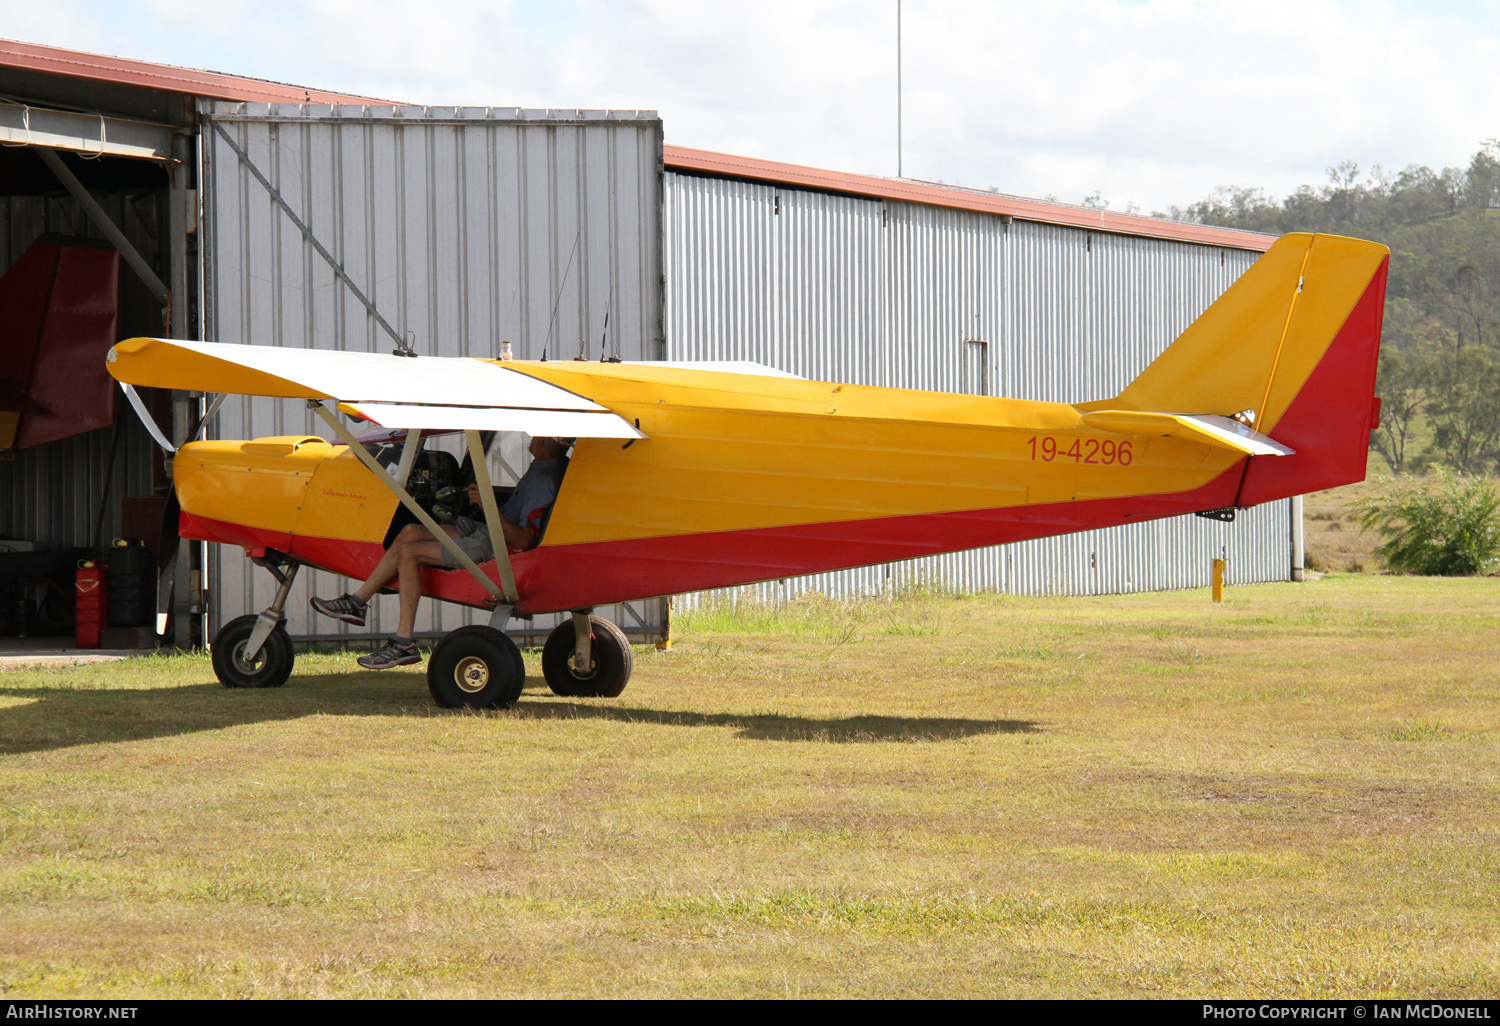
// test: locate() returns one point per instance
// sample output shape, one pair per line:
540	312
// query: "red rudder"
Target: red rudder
1328	424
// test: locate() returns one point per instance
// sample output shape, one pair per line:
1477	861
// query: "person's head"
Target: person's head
544	447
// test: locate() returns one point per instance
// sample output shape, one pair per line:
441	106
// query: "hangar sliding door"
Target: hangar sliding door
354	228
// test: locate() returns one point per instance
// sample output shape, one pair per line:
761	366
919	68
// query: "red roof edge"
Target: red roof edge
146	75
213	85
681	158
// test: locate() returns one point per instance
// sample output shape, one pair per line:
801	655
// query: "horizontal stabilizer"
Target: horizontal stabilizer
1223	432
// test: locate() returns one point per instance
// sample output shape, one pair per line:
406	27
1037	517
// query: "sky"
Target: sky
1140	104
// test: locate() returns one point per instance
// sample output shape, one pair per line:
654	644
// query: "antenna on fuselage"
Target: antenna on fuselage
558	299
604	342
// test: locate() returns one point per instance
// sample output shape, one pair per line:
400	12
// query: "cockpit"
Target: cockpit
441	477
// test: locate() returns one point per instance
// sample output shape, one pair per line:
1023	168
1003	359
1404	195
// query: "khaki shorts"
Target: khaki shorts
473	540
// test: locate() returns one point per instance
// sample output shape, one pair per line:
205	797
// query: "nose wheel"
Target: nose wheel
255	651
476	668
608	665
237	667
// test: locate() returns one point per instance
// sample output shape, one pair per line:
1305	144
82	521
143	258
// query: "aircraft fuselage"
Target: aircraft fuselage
754	479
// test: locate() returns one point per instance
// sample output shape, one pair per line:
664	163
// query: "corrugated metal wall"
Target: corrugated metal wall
52	493
466	226
914	296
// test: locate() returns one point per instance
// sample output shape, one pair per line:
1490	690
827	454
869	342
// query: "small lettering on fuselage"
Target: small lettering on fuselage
362	501
1083	450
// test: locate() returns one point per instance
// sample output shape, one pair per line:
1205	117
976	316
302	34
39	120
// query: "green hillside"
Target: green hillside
1440	361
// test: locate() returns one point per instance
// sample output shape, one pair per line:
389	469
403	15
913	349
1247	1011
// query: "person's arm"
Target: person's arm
516	536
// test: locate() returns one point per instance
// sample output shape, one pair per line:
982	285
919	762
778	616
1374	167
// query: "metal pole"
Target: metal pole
273	615
307	234
187	407
1299	541
409	450
99	217
582	641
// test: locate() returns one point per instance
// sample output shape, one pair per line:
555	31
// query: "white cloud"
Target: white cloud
1152	102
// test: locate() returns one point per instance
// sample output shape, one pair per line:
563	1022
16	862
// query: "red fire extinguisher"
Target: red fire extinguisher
91	603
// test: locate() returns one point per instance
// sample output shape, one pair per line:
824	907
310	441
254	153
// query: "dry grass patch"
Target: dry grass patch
1294	793
1334	540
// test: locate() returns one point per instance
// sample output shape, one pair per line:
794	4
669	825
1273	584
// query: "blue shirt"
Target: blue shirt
536	491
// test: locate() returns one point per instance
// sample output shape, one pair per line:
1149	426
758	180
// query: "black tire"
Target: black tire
476	667
272	666
611	659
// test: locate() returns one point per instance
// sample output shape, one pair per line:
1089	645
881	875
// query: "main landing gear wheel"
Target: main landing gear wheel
271	666
610	661
476	668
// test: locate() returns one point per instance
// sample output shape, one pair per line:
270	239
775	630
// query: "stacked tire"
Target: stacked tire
131	585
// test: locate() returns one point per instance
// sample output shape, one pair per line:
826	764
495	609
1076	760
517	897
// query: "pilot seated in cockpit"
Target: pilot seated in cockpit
523	517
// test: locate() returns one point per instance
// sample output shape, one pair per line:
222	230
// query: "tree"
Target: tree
1413	345
1403	395
1464	407
1441	361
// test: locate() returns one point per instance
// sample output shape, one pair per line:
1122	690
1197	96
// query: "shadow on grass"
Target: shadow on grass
65	717
68	717
776	727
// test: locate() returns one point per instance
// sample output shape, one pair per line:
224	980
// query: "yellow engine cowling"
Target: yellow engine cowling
282	486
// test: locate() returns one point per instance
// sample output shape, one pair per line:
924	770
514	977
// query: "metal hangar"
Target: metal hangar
235	209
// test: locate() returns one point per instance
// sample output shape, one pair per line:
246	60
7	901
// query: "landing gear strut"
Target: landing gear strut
255	651
586	657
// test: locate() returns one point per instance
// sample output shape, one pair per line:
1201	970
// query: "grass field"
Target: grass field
1296	793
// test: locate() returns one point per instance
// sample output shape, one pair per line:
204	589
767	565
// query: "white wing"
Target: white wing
393	391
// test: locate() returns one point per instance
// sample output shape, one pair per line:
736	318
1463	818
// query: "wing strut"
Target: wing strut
481	464
399	489
147	421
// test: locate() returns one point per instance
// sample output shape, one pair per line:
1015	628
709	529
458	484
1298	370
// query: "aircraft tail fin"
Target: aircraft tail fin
1289	350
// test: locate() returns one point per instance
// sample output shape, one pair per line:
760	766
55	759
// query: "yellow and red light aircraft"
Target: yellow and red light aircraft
690	477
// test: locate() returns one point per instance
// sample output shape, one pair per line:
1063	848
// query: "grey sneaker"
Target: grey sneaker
346	608
391	654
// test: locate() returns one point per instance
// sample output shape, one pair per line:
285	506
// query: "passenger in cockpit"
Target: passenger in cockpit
523	518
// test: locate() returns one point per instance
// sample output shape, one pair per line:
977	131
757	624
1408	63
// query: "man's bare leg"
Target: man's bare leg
386	568
353	608
413	556
389	564
409	554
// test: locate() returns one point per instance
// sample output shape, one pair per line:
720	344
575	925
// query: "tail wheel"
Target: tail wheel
610	661
271	666
476	668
